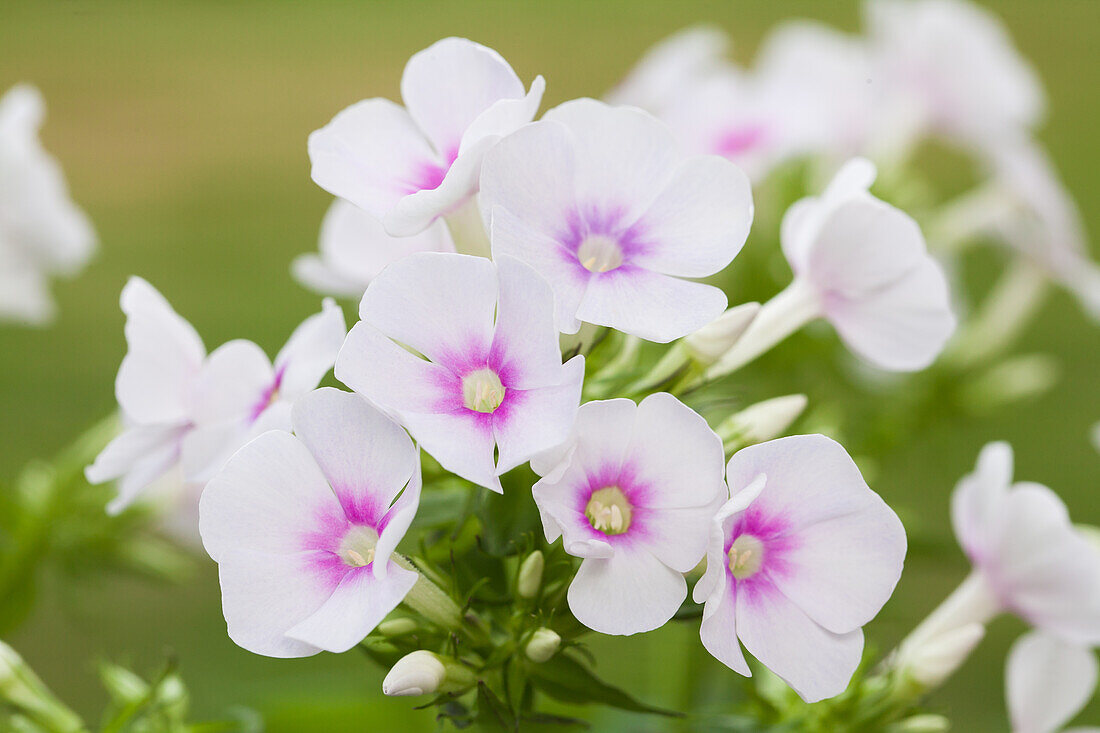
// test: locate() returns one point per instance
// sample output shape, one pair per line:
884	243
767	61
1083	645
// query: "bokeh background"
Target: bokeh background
182	129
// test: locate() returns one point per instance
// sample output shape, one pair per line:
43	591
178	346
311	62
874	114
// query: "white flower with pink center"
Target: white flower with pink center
1047	682
861	264
407	166
601	203
154	388
354	248
486	377
800	558
42	232
1028	557
951	68
631	492
303	528
240	393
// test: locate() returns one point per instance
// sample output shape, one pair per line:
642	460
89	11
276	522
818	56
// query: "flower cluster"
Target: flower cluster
518	277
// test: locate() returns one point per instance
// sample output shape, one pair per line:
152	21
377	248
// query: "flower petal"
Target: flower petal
462	444
627	593
232	384
396	523
816	663
442	305
311	351
1047	682
699	222
538	419
525	350
164	354
366	457
978	498
357	605
718	630
649	305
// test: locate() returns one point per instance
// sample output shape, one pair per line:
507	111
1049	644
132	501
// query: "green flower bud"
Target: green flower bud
530	575
544	644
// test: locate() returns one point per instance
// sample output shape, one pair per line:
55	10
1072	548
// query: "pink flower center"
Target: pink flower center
746	556
609	511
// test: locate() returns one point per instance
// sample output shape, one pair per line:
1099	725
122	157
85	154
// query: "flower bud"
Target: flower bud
423	672
418	673
21	688
709	343
923	724
933	661
544	644
397	627
761	422
530	575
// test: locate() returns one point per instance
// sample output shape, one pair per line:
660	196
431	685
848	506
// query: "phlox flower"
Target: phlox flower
800	558
303	528
354	248
154	389
491	378
407	166
239	393
950	66
671	65
631	492
1047	681
601	203
862	265
42	232
1028	558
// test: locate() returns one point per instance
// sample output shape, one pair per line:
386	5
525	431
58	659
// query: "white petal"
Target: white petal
844	569
206	448
559	500
164	354
601	436
977	499
264	595
24	290
904	326
1047	681
320	276
534	420
233	384
137	457
649	305
357	605
816	663
442	305
366	457
718	630
700	220
462	444
525	342
396	523
450	84
624	156
267	499
671	65
371	154
627	593
311	351
416	212
716	577
512	237
504	117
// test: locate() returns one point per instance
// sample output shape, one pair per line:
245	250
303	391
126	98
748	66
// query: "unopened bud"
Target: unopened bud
933	661
397	627
544	644
709	343
423	673
760	422
923	724
530	575
21	689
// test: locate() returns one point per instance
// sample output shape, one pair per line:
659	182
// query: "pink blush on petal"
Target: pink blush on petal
740	140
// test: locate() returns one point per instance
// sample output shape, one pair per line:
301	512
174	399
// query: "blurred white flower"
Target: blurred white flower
154	389
631	492
303	528
42	232
862	265
601	203
239	393
670	66
354	248
798	560
407	166
491	390
1047	682
950	67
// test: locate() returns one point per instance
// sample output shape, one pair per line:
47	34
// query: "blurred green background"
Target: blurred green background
182	129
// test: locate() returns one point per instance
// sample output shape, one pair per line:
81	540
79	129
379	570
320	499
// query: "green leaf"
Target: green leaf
564	678
492	713
506	518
